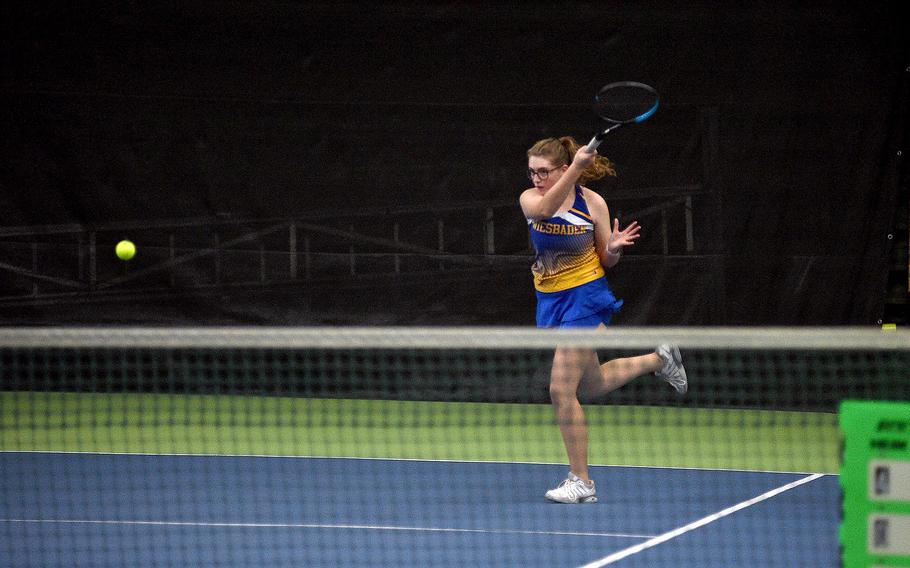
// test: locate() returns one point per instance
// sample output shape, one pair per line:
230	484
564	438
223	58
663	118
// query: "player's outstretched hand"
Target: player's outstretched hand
627	236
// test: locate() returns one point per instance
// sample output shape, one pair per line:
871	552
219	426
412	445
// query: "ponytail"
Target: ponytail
561	151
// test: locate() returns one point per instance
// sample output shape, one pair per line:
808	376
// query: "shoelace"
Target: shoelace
576	487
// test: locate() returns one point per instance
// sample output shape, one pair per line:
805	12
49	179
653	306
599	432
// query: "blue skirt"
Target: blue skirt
587	305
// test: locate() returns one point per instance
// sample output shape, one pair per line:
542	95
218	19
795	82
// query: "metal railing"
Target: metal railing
44	262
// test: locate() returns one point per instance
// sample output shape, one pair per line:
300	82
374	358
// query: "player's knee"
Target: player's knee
561	393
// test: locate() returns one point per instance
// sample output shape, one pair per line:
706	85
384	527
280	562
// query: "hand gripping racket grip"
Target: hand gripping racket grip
595	142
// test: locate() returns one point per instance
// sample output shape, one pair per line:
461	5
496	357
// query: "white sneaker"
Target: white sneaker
673	371
573	490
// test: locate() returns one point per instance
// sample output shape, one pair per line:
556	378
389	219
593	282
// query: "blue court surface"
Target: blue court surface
207	511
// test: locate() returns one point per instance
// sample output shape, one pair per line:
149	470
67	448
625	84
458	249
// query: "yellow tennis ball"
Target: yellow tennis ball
125	250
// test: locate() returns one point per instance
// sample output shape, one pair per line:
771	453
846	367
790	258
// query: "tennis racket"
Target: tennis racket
625	102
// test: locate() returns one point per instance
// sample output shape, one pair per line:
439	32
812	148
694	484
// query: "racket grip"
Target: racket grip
595	142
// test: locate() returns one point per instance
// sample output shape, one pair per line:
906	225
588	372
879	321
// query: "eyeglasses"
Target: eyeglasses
542	173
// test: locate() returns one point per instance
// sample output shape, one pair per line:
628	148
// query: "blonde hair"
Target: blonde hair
561	152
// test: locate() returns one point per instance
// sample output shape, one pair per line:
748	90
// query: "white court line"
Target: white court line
616	556
322	526
427	460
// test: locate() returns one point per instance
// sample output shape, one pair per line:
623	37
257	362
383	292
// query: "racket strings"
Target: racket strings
624	103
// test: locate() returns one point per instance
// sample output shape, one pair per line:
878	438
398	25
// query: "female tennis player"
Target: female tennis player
574	242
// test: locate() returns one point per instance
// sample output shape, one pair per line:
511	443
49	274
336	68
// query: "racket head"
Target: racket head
626	102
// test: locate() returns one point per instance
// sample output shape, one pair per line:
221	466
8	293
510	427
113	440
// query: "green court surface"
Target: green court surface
254	425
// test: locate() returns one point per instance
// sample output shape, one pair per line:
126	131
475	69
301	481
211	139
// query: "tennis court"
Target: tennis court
293	283
204	447
232	511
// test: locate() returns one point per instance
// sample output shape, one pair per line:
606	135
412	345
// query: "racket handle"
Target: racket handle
595	142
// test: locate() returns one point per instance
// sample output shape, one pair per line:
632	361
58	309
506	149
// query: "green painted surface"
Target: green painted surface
252	425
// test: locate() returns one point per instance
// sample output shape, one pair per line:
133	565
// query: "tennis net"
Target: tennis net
423	446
